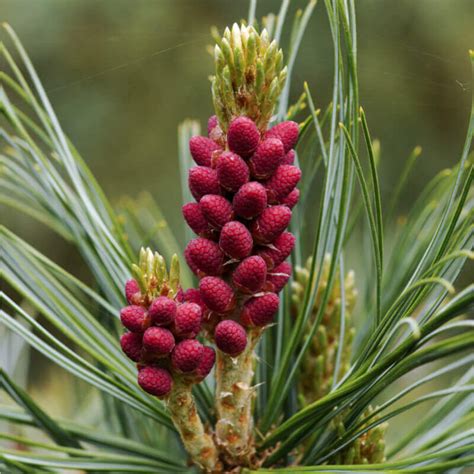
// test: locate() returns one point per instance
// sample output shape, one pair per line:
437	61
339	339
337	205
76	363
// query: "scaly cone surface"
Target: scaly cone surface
318	366
244	186
367	449
162	329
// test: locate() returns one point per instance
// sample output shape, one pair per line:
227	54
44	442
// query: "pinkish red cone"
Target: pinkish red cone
217	210
162	311
202	150
279	250
283	182
204	255
271	223
158	341
243	241
278	277
230	337
155	380
250	200
132	291
236	240
194	217
250	275
131	344
186	355
259	311
267	158
134	318
243	136
187	322
212	123
193	295
202	181
289	158
206	363
287	132
291	200
232	171
217	295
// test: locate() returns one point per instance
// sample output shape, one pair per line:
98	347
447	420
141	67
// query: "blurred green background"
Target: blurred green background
122	74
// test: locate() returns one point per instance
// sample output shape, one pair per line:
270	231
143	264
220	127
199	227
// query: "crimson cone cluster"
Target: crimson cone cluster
244	186
161	338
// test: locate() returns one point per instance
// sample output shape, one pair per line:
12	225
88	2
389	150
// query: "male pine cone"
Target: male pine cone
318	366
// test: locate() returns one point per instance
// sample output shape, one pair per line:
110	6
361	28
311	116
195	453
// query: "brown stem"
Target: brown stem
198	443
234	395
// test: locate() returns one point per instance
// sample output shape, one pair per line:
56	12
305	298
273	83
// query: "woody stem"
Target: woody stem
234	395
184	414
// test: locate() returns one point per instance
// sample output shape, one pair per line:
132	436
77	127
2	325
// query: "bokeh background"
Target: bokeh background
122	74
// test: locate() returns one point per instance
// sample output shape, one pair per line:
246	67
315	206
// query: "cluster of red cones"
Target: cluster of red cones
161	339
244	187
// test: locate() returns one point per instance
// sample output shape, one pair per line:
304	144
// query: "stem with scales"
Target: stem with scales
234	396
198	443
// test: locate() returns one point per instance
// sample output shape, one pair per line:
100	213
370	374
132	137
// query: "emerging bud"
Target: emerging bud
318	368
153	277
249	76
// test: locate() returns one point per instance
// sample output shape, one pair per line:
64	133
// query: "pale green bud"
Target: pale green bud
269	58
239	66
236	39
246	82
251	50
227	35
174	278
219	59
227	51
